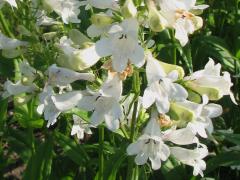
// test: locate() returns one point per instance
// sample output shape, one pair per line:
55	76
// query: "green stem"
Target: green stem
136	88
101	156
174	50
5	26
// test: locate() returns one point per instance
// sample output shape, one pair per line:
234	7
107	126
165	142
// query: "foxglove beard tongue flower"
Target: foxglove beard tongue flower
67	9
192	157
62	76
102	4
12	89
7	43
80	127
161	87
51	104
105	103
150	146
76	59
47	107
179	15
122	45
28	73
202	115
210	82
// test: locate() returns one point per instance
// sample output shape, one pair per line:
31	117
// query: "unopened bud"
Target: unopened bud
197	22
101	19
171	67
129	10
212	93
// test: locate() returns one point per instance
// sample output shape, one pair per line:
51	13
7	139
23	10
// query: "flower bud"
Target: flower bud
80	59
156	21
182	114
171	67
197	22
21	100
211	92
129	10
78	38
101	19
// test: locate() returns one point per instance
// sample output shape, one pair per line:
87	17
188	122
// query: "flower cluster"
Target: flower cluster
115	47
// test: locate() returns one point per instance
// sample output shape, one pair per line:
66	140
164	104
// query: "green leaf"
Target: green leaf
233	138
74	151
3	112
39	166
223	159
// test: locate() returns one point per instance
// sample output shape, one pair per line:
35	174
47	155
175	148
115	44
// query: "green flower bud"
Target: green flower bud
78	38
156	21
101	19
197	22
171	67
129	10
181	114
212	93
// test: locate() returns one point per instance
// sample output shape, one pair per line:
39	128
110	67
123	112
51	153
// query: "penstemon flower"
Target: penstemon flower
98	78
180	16
122	45
161	87
67	9
80	127
210	82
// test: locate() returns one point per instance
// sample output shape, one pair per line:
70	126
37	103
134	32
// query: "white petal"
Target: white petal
156	162
141	159
134	148
137	57
148	98
103	47
119	62
67	101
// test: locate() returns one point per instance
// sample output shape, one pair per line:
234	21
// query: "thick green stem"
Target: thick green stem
101	156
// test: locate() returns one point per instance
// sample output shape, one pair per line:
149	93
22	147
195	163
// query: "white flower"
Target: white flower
12	89
67	9
102	4
62	76
122	45
210	82
150	146
51	104
80	127
47	106
203	114
26	69
7	43
182	136
105	103
74	58
161	87
44	20
178	14
192	157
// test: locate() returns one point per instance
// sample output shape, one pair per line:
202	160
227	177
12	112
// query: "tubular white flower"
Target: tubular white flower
12	89
150	146
67	9
122	45
203	114
161	87
80	127
44	20
179	15
210	82
191	157
62	76
7	43
105	103
74	58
